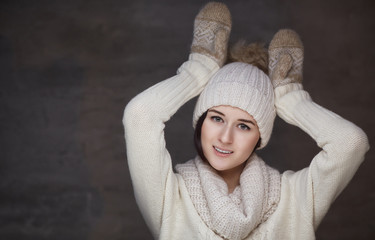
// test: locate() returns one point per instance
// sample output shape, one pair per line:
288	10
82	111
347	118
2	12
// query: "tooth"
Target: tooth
222	151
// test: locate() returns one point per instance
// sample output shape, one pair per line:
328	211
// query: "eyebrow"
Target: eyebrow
222	114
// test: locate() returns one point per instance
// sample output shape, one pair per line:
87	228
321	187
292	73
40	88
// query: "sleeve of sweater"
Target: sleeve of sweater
343	147
155	184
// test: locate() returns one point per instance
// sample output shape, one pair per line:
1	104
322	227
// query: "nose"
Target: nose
226	135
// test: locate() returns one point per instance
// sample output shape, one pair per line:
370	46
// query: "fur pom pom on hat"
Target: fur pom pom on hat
243	86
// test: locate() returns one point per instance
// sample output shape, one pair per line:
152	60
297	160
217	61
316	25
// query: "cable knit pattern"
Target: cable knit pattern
212	27
285	58
235	215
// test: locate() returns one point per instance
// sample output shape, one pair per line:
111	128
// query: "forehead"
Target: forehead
233	112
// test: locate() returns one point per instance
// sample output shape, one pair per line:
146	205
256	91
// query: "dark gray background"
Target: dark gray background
68	68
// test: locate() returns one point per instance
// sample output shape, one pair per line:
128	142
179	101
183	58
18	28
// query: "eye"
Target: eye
243	127
216	119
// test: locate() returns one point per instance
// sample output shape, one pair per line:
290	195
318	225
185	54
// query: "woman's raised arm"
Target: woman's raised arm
150	165
343	144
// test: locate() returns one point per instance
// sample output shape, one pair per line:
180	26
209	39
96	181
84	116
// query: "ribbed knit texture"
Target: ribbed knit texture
235	215
244	86
285	58
212	27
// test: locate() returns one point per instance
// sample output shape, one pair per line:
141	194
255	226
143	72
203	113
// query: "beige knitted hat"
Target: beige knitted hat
244	86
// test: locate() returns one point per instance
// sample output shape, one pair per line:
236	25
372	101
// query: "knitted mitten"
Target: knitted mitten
212	27
285	58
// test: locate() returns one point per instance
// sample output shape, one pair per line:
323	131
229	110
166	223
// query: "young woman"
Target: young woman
227	191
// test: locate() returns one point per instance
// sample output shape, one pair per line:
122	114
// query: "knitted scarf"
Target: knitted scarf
234	215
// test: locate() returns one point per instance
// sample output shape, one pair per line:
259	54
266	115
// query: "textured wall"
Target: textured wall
68	68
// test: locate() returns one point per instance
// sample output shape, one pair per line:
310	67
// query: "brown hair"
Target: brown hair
197	136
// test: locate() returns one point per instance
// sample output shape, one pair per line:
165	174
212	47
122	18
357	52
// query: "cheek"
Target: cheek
207	128
208	135
249	142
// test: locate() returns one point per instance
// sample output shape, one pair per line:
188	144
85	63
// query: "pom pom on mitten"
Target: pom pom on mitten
212	27
285	58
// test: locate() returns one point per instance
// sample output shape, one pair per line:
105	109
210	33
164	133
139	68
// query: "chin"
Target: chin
218	167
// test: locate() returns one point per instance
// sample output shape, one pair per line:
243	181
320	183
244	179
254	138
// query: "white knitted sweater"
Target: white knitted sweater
305	196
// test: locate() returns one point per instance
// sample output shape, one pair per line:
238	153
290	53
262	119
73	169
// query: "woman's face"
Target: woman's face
229	136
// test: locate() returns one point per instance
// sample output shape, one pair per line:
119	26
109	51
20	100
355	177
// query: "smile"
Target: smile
222	151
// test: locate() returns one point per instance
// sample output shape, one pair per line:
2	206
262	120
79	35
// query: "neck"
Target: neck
232	176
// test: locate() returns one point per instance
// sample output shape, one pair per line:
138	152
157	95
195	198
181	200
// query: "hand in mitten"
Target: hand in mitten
285	58
212	27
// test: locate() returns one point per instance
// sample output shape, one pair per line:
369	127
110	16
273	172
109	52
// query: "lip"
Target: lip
223	152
